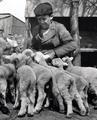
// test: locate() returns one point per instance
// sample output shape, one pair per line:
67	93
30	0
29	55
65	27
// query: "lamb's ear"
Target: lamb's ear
15	61
46	57
6	58
64	59
70	58
37	57
65	64
32	55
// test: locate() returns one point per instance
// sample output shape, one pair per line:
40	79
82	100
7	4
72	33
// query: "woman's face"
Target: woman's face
44	21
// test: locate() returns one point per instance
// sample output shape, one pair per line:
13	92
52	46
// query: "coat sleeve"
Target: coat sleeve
67	44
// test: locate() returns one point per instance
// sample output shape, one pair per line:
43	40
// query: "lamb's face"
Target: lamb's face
67	59
58	62
28	52
39	57
9	58
19	60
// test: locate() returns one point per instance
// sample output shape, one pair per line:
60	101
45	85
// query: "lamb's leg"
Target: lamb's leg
84	98
32	101
59	98
16	104
5	108
75	94
65	94
3	91
24	104
63	87
79	100
86	105
41	97
47	103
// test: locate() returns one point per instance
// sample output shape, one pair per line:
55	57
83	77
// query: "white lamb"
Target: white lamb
25	90
81	83
63	79
59	86
89	73
7	75
43	75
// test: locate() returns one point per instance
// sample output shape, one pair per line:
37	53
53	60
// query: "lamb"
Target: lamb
41	82
3	86
7	74
25	90
62	79
10	77
59	76
89	74
81	83
42	74
43	77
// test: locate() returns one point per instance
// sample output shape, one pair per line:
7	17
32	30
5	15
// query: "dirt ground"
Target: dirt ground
48	115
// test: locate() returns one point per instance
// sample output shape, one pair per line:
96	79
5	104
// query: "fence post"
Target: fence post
75	29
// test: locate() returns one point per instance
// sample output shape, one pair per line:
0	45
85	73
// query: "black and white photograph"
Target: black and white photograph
48	59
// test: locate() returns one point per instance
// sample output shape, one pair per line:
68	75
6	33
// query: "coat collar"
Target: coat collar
49	33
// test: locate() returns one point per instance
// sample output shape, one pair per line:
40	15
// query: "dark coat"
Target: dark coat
57	38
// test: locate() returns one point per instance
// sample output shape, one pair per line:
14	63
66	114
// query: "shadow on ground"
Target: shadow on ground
47	115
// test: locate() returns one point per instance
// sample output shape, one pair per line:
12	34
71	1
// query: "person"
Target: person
49	36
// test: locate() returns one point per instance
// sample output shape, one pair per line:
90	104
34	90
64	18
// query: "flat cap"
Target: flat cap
43	9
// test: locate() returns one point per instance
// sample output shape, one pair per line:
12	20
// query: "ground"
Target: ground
48	115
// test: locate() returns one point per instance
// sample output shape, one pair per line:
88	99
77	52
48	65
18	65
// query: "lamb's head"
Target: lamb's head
9	58
67	60
17	59
58	63
28	52
20	60
40	58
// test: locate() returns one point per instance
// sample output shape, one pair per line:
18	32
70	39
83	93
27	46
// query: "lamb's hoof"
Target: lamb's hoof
87	111
62	111
36	111
69	116
15	106
21	114
30	114
46	105
83	113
